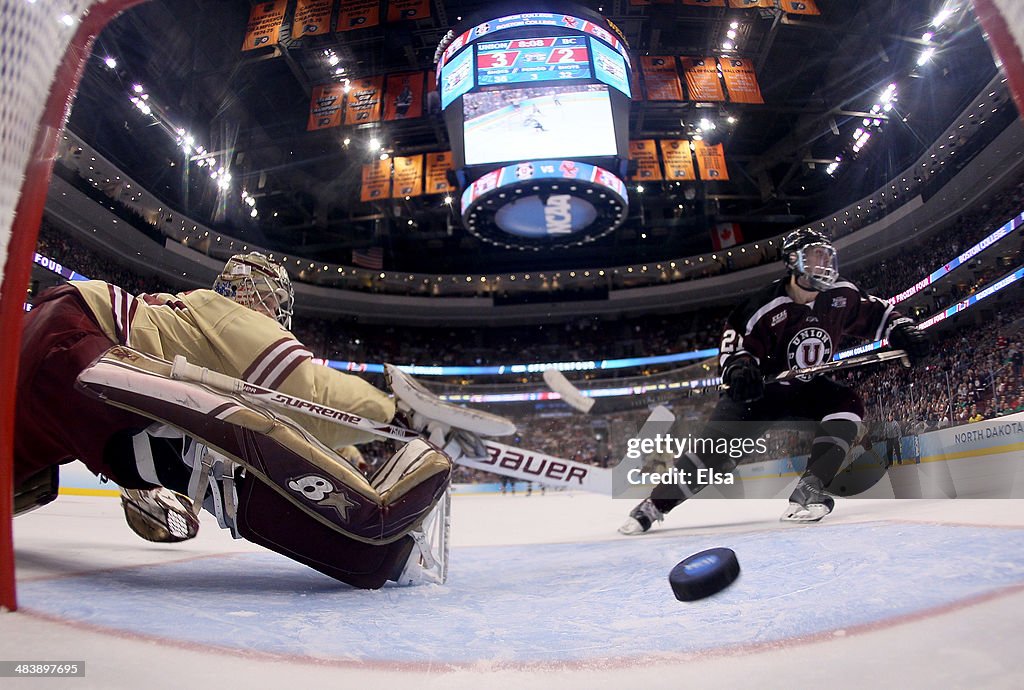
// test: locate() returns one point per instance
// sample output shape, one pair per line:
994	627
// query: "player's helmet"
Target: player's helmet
256	282
809	254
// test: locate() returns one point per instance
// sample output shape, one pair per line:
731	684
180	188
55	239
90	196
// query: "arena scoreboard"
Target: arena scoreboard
537	110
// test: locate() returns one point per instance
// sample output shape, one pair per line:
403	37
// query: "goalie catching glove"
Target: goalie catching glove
905	335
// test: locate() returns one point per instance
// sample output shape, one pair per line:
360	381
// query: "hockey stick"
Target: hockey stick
183	371
827	367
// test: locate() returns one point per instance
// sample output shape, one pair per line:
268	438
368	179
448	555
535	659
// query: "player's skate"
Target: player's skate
641	518
428	561
159	514
454	429
808	502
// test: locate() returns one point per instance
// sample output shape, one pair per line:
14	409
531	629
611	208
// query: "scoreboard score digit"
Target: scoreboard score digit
532	60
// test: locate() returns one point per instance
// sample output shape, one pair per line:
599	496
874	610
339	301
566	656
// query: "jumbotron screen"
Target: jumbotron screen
556	121
521	60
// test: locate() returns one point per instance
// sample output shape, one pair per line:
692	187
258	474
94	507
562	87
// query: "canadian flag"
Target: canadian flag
726	235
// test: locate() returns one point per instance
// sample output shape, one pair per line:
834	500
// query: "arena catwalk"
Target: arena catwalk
542	592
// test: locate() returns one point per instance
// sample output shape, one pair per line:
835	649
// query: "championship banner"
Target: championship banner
740	80
661	78
403	96
325	106
408	180
705	3
362	102
645	153
358	14
751	4
264	28
702	82
438	165
376	181
678	161
312	17
799	6
711	161
400	10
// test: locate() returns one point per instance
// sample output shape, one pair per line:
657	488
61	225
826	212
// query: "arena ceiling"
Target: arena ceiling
818	75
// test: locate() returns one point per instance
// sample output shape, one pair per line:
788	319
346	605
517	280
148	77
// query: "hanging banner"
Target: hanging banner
705	3
312	18
362	102
750	4
403	96
400	10
438	165
678	161
325	106
702	82
799	6
376	181
264	28
408	180
645	153
358	14
661	78
740	80
710	161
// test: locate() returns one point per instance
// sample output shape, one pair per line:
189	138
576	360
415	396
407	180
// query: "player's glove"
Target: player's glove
906	336
744	378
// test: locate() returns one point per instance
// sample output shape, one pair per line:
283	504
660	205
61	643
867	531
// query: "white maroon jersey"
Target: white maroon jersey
212	331
781	334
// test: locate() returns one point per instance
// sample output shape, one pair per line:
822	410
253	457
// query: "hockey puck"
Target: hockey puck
704	574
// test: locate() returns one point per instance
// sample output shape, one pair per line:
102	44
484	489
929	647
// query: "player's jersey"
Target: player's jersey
781	334
215	332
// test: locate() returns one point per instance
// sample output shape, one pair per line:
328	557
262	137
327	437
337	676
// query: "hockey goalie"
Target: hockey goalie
96	383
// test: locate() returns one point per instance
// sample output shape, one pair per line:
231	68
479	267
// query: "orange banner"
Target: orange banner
711	161
376	181
358	14
403	96
408	176
264	28
325	106
705	3
362	102
750	4
645	153
400	10
438	165
661	78
702	82
678	161
799	6
740	80
312	17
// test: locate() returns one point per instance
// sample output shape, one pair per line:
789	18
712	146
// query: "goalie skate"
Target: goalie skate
159	515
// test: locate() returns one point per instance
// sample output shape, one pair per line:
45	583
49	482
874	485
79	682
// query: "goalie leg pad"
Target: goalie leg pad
37	490
273	449
266	518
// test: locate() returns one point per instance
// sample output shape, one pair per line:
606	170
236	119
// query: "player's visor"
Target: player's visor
819	265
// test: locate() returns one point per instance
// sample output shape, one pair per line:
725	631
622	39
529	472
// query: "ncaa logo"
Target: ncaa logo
809	347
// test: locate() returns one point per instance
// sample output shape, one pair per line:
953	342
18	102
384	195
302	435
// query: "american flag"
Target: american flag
372	258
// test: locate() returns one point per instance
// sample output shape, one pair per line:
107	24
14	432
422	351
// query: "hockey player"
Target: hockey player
796	322
93	380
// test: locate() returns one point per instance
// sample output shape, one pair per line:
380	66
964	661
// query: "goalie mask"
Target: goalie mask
810	256
256	282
